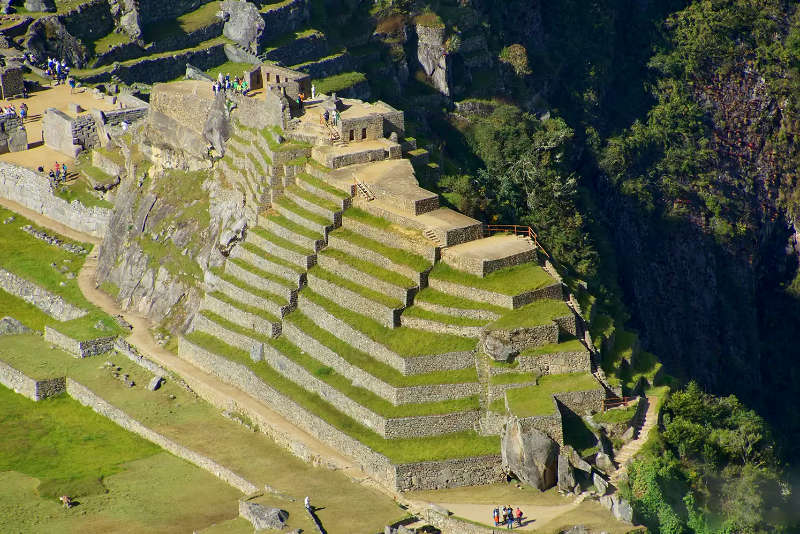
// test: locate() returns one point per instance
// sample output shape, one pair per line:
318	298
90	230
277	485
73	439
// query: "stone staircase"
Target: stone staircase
630	449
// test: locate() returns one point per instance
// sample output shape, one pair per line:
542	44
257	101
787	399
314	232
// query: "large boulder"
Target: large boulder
40	5
600	484
604	463
575	459
193	73
216	129
48	37
529	454
433	56
10	326
566	476
243	23
263	517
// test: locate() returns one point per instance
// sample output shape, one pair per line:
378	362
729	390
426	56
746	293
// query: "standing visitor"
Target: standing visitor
313	91
519	517
307	503
496	516
23	111
245	87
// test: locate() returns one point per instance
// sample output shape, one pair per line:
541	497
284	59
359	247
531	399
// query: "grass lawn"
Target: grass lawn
512	378
292	226
538	399
376	271
622	414
415	311
357	214
302	212
534	314
190	22
272	258
230	67
396	255
460	445
569	345
339	82
81	191
403	341
376	368
509	281
451	301
261	273
272	297
107	42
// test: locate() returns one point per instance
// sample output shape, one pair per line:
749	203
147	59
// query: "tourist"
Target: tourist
23	111
519	517
337	118
326	116
64	171
72	84
299	103
52	177
313	91
245	87
496	516
220	78
307	503
510	518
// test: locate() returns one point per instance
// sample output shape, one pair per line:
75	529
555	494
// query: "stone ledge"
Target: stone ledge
264	264
389	317
457	312
338	243
329	263
240	317
512	302
344	203
301	260
244	296
302	221
299	239
34	390
260	282
307	205
51	304
80	349
441	328
391	239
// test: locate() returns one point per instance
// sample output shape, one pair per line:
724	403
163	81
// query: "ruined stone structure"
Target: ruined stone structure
11	82
13	135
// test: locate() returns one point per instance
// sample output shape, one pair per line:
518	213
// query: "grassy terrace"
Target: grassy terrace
403	341
322	185
314	199
229	67
339	82
460	445
293	226
200	18
512	378
109	41
419	313
376	368
396	255
81	191
281	301
509	281
285	202
357	214
356	288
538	399
534	314
569	345
451	301
623	414
272	258
32	259
258	312
261	273
369	268
281	242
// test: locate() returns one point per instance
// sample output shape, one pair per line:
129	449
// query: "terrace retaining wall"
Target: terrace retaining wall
35	390
81	349
51	304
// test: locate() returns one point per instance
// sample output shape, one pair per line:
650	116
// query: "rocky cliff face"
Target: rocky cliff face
433	56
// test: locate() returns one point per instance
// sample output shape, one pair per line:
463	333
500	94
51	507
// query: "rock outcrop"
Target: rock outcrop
433	56
263	517
40	5
530	455
243	23
49	37
566	476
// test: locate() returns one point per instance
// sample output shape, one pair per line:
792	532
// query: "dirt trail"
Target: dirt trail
534	519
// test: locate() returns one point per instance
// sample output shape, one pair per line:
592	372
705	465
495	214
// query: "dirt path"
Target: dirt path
49	223
535	516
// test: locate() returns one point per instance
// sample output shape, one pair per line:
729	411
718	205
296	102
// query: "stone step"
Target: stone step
202	323
241	314
386	313
338	241
314	204
289	230
282	248
330	262
312	221
270	263
457	312
440	328
263	280
246	294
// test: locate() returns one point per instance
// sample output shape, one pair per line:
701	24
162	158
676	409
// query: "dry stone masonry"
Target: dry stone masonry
53	305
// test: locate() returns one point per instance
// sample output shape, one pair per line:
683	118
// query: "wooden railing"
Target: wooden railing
516	229
614	402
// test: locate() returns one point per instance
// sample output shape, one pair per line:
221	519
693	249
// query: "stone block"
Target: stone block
155	383
75	108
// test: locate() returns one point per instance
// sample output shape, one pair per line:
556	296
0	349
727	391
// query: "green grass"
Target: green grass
281	242
512	378
362	216
535	314
81	191
570	345
230	67
339	82
538	399
200	18
272	258
396	255
376	368
509	281
258	312
623	414
261	273
319	184
68	447
314	199
369	268
110	288
403	341
256	164
419	313
356	288
109	41
451	301
266	295
304	213
294	227
459	445
498	406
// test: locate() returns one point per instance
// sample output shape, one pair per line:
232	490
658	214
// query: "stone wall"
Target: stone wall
363	128
328	66
482	267
583	402
284	19
116	117
457	472
549	424
449	523
461	312
336	242
84	131
32	190
403	294
89	21
556	363
13	135
88	398
516	340
299	50
440	328
273	110
81	349
11	82
53	305
187	102
35	390
57	132
130	352
391	239
387	316
553	291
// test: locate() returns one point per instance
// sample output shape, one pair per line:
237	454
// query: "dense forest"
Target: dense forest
652	146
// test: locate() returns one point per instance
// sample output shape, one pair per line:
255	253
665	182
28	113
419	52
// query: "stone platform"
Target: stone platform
485	256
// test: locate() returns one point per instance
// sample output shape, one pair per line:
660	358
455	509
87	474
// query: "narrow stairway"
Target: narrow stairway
630	449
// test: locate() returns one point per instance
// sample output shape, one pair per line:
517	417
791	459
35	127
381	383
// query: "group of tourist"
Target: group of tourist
57	70
58	174
11	110
507	516
328	118
224	83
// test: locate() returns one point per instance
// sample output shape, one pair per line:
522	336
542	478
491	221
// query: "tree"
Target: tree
516	56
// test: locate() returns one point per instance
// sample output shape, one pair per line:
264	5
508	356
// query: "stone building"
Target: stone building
13	136
11	82
268	75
